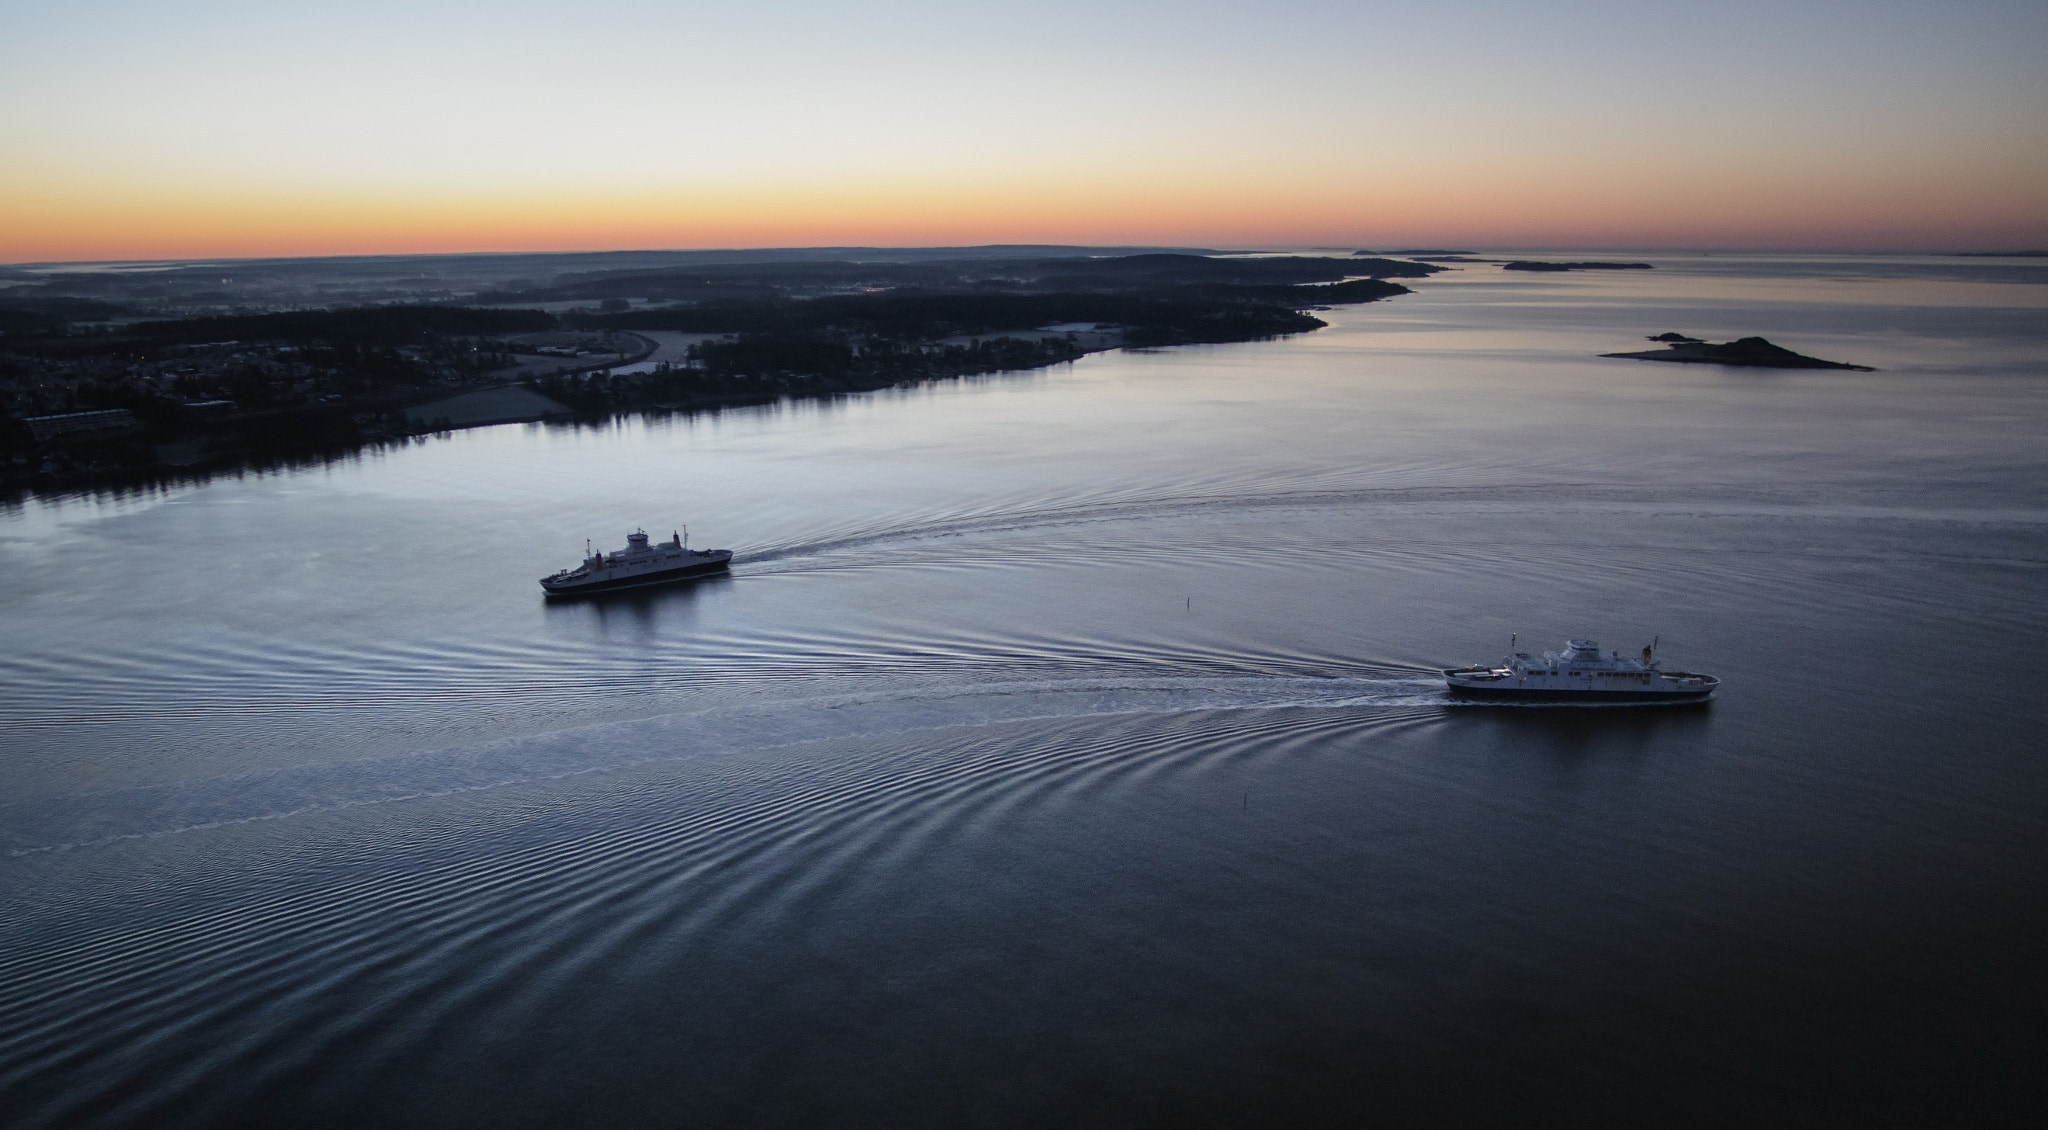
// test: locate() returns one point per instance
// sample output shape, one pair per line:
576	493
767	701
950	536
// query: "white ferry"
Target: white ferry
1579	673
637	564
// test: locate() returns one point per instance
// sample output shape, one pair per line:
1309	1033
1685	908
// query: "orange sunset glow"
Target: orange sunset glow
194	224
225	133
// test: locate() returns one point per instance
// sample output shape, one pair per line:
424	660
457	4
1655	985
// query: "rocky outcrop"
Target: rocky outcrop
1753	352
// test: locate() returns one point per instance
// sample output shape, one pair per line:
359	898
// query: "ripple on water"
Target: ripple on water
474	927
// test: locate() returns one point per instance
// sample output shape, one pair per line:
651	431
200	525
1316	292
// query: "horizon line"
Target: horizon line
33	265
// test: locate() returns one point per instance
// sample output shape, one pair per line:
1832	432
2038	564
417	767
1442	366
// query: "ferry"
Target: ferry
1578	672
636	565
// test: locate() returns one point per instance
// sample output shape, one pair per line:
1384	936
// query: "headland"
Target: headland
129	374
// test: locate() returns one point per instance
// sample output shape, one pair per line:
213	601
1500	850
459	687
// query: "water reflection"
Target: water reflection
1567	735
647	611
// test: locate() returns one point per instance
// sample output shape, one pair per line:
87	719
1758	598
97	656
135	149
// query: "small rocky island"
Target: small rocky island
1754	352
1540	265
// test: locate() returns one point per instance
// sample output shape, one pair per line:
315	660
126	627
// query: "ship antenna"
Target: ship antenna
686	535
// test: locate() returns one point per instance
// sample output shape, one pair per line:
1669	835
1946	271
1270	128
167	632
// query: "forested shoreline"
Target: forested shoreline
97	397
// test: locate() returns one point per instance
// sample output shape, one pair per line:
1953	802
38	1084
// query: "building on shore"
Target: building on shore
45	428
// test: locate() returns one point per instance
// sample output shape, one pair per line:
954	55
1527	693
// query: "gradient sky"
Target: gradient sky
180	129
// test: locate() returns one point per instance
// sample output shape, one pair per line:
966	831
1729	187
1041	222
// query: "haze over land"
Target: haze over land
235	129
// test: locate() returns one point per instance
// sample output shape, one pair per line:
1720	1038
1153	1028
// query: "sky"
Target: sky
214	128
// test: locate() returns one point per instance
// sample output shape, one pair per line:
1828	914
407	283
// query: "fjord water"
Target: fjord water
1067	746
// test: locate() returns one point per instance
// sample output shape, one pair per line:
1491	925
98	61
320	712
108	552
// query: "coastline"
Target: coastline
268	441
106	395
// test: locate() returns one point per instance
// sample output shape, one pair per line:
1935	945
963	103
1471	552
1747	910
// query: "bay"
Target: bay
1070	746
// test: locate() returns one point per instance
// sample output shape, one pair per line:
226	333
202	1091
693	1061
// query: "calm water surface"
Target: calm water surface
1065	747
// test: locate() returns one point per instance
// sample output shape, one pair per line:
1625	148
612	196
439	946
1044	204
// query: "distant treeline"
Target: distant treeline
1203	313
1166	296
758	368
739	281
358	325
1332	294
22	314
1195	270
1214	313
1148	320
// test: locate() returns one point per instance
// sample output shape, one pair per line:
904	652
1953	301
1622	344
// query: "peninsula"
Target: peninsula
179	371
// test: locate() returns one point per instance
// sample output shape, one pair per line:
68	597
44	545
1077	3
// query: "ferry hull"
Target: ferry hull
1530	694
1474	685
641	580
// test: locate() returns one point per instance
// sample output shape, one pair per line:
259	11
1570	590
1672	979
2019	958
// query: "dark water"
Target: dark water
1065	749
